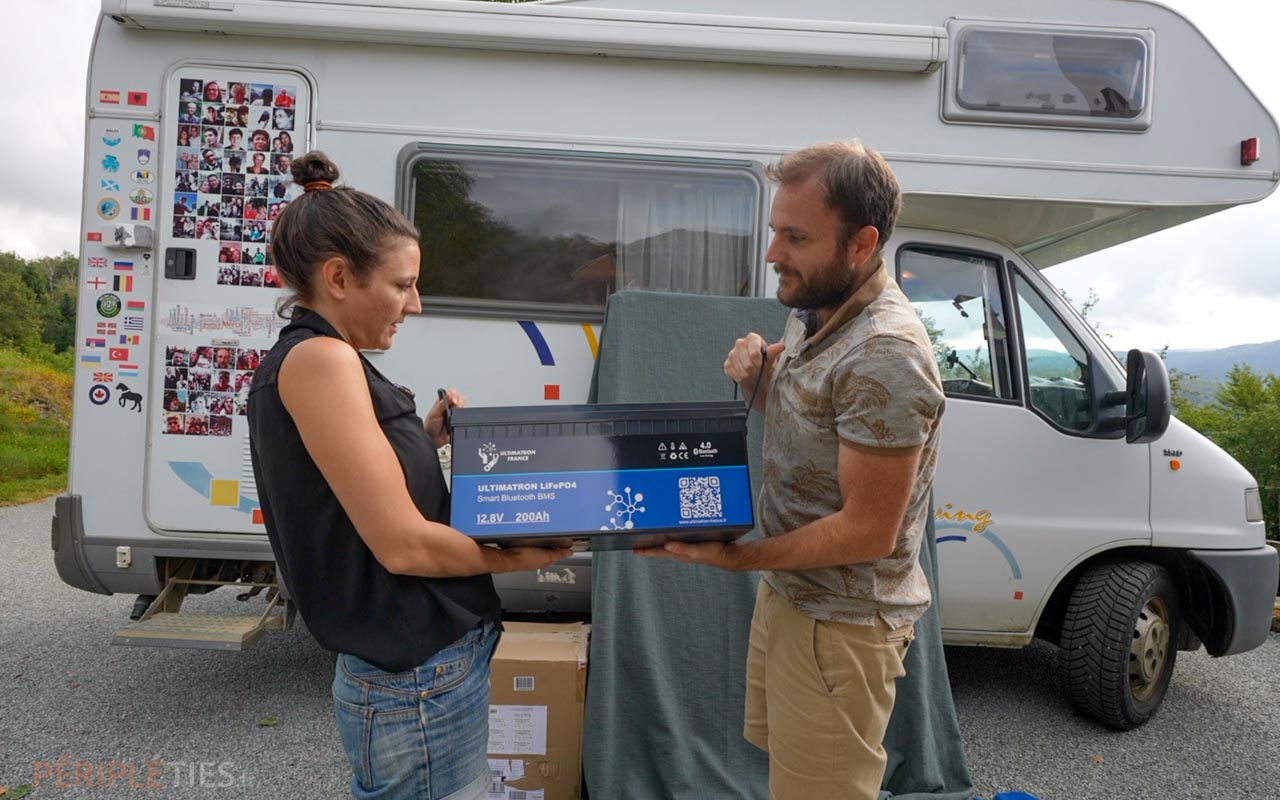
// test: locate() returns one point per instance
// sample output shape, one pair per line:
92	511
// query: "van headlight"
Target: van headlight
1253	504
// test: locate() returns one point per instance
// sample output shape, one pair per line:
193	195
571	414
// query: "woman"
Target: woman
355	503
286	143
212	92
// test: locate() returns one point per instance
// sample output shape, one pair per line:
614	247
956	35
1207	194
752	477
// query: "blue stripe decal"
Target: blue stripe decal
198	476
1004	550
952	539
539	343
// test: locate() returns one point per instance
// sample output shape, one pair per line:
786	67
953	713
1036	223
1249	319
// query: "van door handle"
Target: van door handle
180	263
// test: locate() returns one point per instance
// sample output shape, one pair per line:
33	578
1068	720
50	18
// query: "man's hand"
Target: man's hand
713	554
744	362
434	422
750	365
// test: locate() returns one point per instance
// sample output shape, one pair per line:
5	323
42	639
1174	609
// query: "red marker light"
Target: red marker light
1248	151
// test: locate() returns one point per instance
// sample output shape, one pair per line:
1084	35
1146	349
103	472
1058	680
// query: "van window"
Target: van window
1057	364
1051	77
502	229
957	295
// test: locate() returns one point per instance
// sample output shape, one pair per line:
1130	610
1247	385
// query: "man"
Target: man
852	402
222	359
234	136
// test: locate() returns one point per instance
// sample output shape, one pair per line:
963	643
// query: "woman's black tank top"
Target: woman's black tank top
350	602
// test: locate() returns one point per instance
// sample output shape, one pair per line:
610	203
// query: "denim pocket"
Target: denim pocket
355	724
384	747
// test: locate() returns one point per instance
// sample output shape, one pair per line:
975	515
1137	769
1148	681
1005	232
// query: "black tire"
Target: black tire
1119	642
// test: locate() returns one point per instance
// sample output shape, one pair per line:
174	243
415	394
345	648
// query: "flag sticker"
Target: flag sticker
146	132
122	283
96	283
97	262
123	266
133	323
86	360
135	305
104	377
130	339
95	342
110	185
93	236
137	98
106	328
118	354
143	214
108	96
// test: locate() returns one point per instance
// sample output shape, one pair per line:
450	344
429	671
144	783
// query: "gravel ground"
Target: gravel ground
66	694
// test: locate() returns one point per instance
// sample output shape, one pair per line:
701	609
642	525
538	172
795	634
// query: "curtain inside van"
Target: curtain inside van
683	237
669	640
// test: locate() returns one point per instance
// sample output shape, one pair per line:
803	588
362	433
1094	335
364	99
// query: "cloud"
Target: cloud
44	49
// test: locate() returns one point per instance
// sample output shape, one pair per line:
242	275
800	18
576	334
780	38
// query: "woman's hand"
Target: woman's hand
434	422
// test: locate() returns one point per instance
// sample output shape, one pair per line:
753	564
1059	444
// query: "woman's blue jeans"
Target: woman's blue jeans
420	734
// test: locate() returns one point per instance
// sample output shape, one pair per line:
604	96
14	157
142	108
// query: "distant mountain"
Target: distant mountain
1213	365
1203	370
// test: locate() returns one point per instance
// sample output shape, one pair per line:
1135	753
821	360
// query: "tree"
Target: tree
20	320
38	301
1245	421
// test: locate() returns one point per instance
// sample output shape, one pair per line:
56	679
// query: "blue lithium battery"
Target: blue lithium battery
615	475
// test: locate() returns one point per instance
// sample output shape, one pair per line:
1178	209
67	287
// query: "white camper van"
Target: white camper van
554	152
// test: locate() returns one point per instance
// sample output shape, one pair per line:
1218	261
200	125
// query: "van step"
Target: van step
163	624
199	631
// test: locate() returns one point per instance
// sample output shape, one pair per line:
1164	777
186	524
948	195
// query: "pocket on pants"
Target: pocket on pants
830	661
355	726
383	747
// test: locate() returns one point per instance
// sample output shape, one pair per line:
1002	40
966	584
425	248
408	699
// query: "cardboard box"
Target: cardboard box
537	692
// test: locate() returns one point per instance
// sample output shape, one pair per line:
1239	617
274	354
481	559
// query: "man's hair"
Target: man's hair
857	182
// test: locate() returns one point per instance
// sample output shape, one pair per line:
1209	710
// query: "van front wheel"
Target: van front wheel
1119	642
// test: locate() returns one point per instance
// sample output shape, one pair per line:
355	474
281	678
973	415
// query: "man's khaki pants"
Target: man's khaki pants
819	695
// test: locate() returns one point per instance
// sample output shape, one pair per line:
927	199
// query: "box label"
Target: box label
518	730
502	771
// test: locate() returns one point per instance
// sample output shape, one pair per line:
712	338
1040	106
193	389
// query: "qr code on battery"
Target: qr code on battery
700	498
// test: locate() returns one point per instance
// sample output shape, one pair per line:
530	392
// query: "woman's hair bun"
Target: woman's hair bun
313	166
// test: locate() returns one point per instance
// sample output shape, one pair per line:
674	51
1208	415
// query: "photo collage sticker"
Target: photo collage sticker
235	147
204	387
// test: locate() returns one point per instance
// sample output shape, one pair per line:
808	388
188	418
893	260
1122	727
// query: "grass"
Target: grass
35	428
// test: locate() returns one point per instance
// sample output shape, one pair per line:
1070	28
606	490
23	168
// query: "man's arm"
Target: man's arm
875	484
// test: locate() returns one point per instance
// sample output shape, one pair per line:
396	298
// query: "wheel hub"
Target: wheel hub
1150	648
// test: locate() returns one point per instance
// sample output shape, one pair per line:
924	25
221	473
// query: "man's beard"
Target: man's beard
828	289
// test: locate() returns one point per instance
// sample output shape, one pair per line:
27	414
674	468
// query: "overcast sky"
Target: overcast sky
1210	283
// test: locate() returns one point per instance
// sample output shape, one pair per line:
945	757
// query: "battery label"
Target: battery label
565	502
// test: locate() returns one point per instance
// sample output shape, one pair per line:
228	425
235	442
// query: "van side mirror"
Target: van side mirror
1146	405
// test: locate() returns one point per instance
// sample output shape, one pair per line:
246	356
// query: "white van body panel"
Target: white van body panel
1202	502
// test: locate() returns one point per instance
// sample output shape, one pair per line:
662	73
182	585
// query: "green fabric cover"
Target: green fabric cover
669	640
